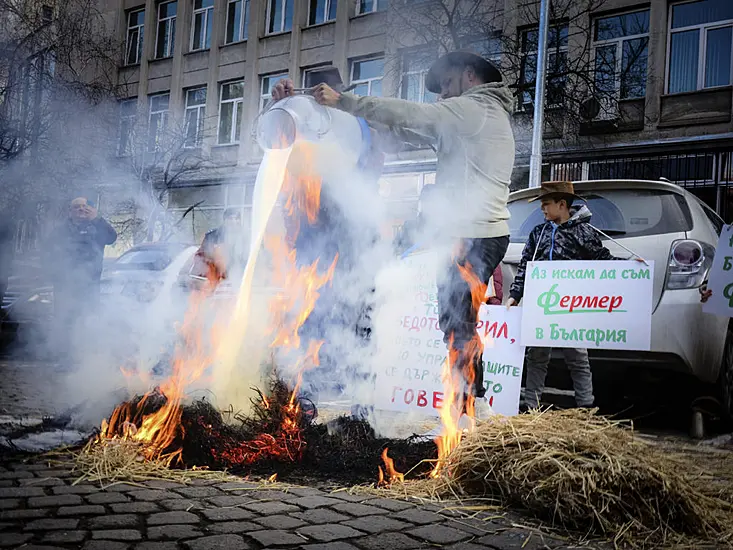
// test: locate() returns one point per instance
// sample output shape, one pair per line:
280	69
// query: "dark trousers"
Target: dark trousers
456	312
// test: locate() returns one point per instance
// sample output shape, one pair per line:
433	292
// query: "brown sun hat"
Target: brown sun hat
485	69
557	190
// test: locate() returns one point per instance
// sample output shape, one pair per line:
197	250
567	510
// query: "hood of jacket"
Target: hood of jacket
492	92
578	215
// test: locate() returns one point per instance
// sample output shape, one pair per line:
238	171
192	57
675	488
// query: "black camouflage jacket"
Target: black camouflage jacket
575	239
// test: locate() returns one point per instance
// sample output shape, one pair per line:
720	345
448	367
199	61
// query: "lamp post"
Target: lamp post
535	159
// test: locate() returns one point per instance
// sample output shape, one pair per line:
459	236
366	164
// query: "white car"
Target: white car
662	222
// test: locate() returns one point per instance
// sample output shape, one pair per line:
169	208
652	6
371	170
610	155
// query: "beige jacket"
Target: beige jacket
475	146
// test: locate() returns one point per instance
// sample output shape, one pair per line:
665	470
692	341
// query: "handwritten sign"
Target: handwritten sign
721	277
411	352
580	304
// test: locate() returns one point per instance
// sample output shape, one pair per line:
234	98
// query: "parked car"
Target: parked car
661	222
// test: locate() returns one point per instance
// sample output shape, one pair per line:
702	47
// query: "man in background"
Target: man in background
223	250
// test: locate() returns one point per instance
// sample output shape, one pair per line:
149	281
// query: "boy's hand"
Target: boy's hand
510	303
705	294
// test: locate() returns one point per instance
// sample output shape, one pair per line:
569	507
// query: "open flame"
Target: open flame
458	377
393	476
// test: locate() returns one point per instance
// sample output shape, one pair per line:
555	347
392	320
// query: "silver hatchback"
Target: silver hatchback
662	222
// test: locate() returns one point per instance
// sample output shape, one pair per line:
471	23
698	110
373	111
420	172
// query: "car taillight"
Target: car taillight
689	264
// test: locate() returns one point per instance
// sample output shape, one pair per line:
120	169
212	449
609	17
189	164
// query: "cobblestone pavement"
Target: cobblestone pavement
41	508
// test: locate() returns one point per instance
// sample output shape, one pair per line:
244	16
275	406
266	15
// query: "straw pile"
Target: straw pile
587	474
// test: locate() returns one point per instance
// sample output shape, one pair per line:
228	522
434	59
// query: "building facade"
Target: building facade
651	84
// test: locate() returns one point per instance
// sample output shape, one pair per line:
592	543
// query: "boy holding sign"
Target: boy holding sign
566	235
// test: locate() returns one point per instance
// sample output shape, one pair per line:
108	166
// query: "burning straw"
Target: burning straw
585	473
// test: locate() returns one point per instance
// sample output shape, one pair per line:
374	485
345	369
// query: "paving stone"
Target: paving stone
467	546
388	541
4	526
338	545
51	525
417	516
306	492
172	518
135	508
329	532
275	537
228	527
153	495
233	486
7	483
87	510
9	503
271	494
21	474
181	505
227	514
40	547
348	497
267	508
320	515
163	484
390	504
202	483
131	535
106	498
229	500
65	537
75	490
54	473
105	545
157	546
515	539
57	500
122	487
377	524
21	492
24	514
217	542
315	502
114	521
439	534
13	539
199	492
41	482
280	522
173	532
358	510
28	467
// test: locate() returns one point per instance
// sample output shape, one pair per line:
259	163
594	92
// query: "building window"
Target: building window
128	112
367	76
700	45
268	82
195	113
370	6
279	16
157	121
203	18
237	20
134	45
621	45
322	11
415	67
557	57
230	112
488	46
166	29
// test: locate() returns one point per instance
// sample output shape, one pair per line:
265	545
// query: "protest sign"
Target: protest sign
584	304
721	277
411	352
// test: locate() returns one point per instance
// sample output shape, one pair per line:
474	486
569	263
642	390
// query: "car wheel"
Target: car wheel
725	379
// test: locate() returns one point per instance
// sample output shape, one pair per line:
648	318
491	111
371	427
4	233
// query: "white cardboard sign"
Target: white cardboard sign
588	304
411	352
721	277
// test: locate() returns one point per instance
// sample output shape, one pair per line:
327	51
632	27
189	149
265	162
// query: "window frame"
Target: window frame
172	36
200	118
238	104
550	51
282	28
208	12
243	22
266	94
422	73
352	64
165	117
619	43
326	12
140	38
375	9
121	152
702	30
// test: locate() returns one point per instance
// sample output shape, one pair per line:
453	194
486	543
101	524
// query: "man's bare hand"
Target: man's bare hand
325	95
284	88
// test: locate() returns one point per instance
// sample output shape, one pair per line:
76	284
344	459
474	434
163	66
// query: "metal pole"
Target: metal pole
535	159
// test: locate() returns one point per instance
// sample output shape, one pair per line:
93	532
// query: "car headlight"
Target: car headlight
42	297
689	264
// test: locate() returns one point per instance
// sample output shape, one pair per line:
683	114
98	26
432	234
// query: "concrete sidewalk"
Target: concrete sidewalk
39	508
